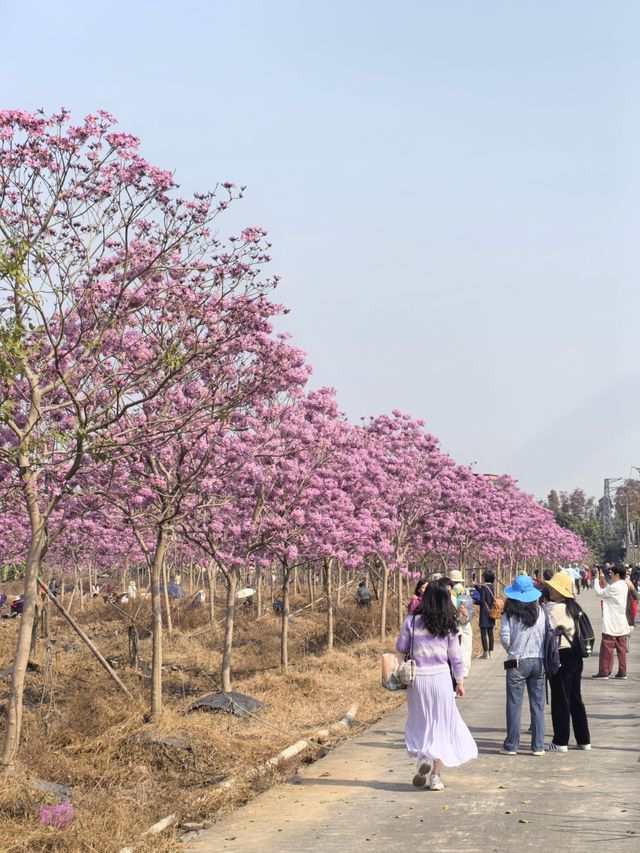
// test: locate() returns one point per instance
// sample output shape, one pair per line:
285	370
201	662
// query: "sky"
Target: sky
452	190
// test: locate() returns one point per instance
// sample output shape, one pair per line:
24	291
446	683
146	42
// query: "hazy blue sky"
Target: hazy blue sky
452	190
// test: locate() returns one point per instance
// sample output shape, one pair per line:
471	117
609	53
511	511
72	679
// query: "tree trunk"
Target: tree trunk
374	585
284	633
167	600
133	646
339	581
312	592
80	588
400	602
44	620
16	688
34	635
258	593
383	601
73	595
229	617
328	588
156	624
211	582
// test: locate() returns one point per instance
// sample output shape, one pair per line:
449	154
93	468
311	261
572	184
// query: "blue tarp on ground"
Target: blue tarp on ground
174	590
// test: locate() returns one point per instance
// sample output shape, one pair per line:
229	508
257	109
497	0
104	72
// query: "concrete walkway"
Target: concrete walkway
360	797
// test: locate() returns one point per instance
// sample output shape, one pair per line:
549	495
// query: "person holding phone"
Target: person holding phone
615	626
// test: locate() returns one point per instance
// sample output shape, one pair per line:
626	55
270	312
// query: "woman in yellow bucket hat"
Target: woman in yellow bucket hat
567	706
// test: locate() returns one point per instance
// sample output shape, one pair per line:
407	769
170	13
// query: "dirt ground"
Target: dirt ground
80	731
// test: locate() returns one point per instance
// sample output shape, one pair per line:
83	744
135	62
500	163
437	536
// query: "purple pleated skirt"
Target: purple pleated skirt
434	727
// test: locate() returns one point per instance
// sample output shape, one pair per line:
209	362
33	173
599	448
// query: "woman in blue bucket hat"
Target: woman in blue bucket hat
522	635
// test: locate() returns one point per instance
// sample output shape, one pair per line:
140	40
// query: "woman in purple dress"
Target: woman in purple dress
435	733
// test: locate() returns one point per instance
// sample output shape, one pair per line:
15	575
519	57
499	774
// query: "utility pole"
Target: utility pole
607	507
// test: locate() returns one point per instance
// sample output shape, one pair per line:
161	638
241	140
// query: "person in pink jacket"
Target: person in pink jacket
416	598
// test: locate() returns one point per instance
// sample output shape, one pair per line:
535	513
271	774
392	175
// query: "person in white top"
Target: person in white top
615	626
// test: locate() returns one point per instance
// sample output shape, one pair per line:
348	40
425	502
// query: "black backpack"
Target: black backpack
583	636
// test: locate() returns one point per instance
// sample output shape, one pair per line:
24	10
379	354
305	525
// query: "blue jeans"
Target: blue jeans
530	672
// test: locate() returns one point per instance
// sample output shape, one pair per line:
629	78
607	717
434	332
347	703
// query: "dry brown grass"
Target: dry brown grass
80	731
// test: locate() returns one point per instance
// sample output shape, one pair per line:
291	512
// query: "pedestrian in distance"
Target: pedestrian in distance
463	603
576	579
541	585
632	609
416	598
615	625
567	707
435	733
522	632
486	598
584	578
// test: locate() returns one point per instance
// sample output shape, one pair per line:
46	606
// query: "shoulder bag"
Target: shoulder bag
497	605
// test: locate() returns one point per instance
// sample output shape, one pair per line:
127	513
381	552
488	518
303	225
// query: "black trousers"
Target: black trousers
567	706
486	635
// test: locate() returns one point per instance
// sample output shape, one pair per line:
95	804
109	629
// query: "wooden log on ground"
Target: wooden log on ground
321	736
156	829
99	657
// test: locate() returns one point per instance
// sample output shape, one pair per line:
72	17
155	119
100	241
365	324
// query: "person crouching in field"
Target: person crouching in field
435	733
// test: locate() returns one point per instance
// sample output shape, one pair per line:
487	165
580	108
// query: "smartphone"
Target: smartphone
511	664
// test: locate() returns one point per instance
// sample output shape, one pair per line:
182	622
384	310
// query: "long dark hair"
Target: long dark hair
420	583
436	610
525	612
573	609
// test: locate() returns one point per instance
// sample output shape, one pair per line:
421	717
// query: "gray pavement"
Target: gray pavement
360	797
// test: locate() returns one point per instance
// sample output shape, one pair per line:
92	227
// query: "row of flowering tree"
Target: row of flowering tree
147	404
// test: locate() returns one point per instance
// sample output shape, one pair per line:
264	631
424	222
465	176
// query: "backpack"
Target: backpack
497	606
551	650
584	636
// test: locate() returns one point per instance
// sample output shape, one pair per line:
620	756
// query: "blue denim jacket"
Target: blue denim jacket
520	642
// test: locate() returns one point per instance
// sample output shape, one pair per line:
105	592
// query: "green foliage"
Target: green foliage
13	262
588	529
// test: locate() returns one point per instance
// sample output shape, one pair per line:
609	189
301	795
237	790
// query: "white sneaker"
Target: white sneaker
553	747
436	783
584	746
